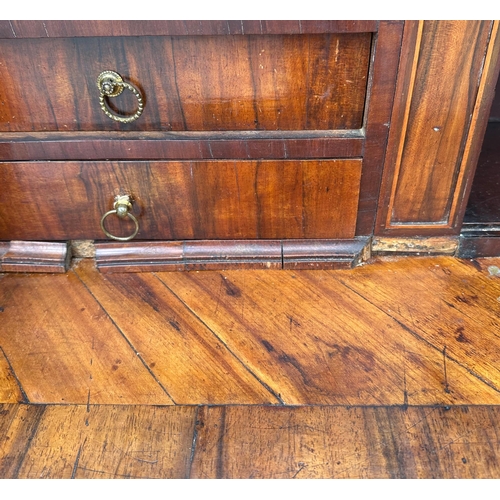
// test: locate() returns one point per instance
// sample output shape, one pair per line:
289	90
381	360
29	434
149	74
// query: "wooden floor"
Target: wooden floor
389	370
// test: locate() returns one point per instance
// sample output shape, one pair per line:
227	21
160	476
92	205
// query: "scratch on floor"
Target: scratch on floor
446	385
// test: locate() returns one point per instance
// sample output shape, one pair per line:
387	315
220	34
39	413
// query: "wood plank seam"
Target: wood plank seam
29	440
138	354
18	382
418	337
267	387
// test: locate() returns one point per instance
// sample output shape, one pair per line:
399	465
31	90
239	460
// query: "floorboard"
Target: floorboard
318	337
388	370
448	305
308	349
191	363
99	441
356	442
18	425
10	390
251	442
63	348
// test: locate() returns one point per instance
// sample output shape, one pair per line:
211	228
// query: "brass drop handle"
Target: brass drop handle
121	207
111	84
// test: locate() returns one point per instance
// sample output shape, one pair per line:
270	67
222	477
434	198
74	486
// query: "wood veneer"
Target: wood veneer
286	82
440	123
182	200
55	29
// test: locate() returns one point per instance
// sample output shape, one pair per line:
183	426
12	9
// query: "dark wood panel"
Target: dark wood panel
377	120
479	244
289	82
230	254
495	107
190	200
438	121
177	146
54	29
35	256
483	207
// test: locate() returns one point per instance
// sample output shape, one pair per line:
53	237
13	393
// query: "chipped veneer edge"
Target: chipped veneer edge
432	245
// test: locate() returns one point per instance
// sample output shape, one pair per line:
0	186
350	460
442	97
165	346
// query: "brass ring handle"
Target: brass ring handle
111	84
121	207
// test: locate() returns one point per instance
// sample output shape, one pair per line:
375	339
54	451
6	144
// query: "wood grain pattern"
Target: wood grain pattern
201	255
312	340
182	200
292	349
10	390
75	353
464	301
61	429
18	425
97	442
289	82
172	341
35	257
388	333
421	339
425	184
248	442
381	88
405	86
327	443
60	28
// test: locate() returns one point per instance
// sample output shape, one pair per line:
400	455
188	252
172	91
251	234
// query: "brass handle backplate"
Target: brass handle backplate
111	84
121	207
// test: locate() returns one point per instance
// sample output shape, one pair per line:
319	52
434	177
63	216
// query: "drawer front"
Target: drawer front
188	83
181	200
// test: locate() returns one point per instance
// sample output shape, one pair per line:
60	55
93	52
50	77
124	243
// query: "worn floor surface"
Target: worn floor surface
389	370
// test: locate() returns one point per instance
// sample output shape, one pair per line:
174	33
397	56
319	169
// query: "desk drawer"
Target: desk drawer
181	200
188	83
